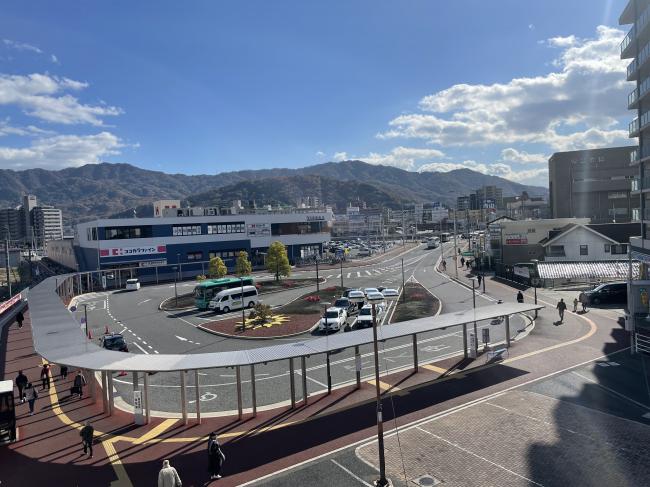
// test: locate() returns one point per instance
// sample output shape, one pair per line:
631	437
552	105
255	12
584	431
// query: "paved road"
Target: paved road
149	330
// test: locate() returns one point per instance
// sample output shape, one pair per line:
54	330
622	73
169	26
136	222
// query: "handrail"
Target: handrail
58	338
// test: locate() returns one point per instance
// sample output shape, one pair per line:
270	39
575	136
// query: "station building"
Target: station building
189	237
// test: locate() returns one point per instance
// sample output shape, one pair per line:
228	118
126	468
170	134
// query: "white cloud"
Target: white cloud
61	151
401	157
578	106
44	97
522	157
320	153
532	176
54	59
531	26
21	46
30	130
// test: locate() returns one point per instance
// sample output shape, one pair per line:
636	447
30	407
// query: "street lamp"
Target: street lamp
382	481
403	282
243	308
475	345
341	272
86	317
175	291
535	281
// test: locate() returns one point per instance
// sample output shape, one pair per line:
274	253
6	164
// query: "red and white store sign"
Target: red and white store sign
125	251
9	303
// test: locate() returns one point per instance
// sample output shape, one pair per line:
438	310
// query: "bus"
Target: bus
444	237
206	290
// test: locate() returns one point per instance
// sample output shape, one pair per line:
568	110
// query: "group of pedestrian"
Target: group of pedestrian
27	391
168	475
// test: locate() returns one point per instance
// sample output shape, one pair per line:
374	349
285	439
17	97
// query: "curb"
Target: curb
225	335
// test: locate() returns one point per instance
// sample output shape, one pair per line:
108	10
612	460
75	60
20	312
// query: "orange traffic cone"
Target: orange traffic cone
90	335
106	330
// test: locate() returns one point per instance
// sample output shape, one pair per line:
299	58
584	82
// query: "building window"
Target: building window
91	233
584	250
298	228
607	248
619	249
531	230
219	228
556	251
185	230
615	195
195	256
117	233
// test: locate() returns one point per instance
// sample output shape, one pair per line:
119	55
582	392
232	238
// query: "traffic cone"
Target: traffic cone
106	330
121	374
90	335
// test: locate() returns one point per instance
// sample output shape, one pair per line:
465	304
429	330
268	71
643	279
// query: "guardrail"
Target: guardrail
59	339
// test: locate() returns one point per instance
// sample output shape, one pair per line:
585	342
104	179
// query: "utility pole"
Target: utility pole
455	247
341	273
382	481
403	283
317	284
243	308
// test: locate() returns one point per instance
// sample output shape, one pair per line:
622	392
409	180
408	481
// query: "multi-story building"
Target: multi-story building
593	184
490	197
11	224
462	203
47	224
636	47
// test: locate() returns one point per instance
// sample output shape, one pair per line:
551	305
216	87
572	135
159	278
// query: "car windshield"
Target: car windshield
332	314
365	312
341	303
113	342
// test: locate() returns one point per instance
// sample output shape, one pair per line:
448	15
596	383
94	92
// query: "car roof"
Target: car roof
332	309
113	335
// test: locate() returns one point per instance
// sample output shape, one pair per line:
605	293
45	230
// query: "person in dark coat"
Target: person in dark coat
520	297
63	371
45	377
20	318
215	457
32	395
87	433
462	261
78	385
21	382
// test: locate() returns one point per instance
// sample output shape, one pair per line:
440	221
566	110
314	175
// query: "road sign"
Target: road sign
536	281
472	345
486	335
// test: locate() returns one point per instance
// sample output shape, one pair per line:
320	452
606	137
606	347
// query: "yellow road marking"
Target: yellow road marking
154	432
435	368
384	386
123	479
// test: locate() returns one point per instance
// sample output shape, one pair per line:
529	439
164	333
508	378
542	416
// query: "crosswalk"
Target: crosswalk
388	271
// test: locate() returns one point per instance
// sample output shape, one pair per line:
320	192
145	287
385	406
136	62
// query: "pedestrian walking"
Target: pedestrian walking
216	457
583	300
168	476
45	377
575	305
78	385
468	263
444	265
63	371
520	297
20	318
32	395
479	278
21	382
87	437
462	261
561	307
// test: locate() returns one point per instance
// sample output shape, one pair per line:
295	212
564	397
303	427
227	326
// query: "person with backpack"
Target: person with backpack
78	385
87	433
21	382
520	297
20	318
32	395
216	457
561	307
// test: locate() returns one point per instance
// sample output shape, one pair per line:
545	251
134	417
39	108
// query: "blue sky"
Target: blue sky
206	87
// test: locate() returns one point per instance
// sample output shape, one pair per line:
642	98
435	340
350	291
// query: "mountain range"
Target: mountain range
106	190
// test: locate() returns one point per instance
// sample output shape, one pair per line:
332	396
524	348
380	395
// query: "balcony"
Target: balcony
632	70
632	98
634	157
635	185
627	45
633	128
636	214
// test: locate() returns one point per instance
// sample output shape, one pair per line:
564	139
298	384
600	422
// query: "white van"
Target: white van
132	284
232	299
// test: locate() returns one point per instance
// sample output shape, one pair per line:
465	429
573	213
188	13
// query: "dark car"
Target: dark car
611	293
114	341
345	304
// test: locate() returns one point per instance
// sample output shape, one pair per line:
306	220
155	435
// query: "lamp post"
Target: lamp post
474	308
317	283
243	308
341	273
535	281
175	291
404	283
382	481
86	317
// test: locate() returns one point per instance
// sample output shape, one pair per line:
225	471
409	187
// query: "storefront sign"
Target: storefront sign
122	251
314	218
9	303
152	263
516	239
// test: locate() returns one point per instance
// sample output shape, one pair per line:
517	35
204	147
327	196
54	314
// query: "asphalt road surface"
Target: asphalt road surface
149	330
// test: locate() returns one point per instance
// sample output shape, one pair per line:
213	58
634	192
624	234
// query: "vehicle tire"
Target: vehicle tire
251	304
226	309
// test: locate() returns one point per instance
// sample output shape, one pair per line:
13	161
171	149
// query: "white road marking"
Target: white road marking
125	329
352	474
348	276
145	301
456	445
181	338
358	274
338	275
144	342
143	350
369	273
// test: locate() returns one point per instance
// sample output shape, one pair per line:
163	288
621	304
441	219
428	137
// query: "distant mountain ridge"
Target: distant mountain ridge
103	190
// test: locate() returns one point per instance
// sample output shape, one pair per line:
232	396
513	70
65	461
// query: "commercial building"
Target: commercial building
593	184
47	224
192	237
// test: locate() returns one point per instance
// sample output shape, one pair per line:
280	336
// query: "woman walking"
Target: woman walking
32	395
215	457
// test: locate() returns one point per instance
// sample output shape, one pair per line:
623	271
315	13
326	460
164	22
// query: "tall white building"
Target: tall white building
47	224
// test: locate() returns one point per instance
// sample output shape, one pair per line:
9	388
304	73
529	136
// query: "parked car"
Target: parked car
374	296
132	284
364	320
333	319
346	305
610	293
113	341
364	253
390	293
367	290
346	293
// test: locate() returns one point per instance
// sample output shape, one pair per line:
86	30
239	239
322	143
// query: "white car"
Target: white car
374	297
333	319
355	295
364	320
367	290
132	284
390	293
